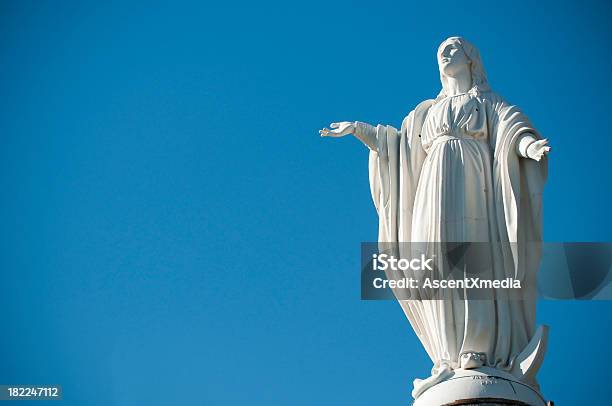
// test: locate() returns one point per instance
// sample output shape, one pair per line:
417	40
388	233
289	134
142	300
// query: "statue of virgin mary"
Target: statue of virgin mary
466	166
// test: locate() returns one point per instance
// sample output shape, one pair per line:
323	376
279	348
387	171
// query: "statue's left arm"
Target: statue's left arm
529	146
510	120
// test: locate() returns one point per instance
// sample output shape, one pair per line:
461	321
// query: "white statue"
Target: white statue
465	167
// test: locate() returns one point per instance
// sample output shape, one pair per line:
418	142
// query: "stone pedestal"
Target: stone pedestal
481	386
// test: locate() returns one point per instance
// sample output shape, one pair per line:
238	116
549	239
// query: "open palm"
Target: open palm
338	129
538	149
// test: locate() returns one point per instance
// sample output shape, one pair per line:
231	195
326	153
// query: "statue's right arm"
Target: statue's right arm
366	133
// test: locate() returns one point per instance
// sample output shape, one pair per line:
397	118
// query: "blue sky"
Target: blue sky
176	232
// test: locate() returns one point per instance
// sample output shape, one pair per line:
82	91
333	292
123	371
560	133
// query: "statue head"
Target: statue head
455	55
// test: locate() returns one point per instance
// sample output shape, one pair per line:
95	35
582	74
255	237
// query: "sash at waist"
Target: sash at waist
446	137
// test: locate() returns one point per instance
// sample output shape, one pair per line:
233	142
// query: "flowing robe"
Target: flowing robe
452	173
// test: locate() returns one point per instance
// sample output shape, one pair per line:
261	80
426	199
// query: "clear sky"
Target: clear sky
175	232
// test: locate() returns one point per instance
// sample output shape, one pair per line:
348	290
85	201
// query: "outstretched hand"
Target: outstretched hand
538	149
338	129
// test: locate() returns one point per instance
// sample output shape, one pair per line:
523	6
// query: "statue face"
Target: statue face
452	60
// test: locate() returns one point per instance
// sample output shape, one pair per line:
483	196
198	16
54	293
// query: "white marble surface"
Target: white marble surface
477	384
467	166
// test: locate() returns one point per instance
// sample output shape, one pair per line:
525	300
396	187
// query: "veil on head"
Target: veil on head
479	77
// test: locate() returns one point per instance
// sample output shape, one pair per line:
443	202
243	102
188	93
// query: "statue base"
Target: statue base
483	387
